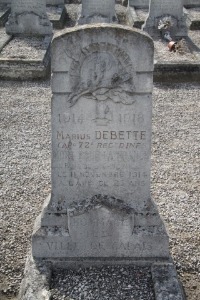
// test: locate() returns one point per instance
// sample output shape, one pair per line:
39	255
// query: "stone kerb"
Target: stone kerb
145	3
100	205
28	18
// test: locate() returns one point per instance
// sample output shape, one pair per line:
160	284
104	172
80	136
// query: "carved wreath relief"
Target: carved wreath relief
102	72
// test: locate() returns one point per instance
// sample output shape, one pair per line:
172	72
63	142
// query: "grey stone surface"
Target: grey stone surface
24	58
191	3
97	11
145	3
28	18
4	38
100	205
4	13
55	2
50	2
57	15
160	9
139	3
36	282
166	283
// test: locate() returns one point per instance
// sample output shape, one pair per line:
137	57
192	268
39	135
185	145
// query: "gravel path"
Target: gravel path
25	174
26	48
105	283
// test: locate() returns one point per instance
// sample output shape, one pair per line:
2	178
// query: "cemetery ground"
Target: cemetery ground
25	174
29	58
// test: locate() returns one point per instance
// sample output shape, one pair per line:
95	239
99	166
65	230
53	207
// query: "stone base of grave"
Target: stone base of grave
29	24
4	13
36	283
193	18
22	68
179	30
4	38
176	71
57	16
100	228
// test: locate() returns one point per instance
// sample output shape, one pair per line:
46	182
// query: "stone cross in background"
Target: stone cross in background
170	14
97	11
100	205
28	17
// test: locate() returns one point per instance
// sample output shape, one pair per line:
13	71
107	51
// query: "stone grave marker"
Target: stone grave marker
28	18
160	9
139	3
100	206
97	11
55	2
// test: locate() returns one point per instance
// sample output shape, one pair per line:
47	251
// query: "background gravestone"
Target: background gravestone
97	11
55	2
28	18
159	9
100	205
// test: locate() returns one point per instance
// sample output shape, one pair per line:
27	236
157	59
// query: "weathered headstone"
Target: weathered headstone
160	10
97	11
100	205
54	2
28	18
139	3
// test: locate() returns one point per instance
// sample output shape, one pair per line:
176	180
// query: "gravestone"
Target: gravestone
97	11
28	18
100	205
55	2
139	3
162	9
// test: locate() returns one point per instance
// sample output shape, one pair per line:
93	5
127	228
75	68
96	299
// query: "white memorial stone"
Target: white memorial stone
159	9
97	11
28	18
100	205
